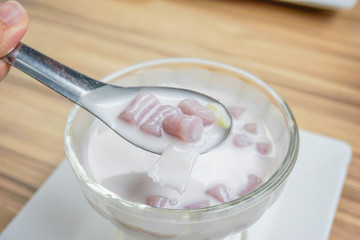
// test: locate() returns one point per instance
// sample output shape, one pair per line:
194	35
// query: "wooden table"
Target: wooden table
311	57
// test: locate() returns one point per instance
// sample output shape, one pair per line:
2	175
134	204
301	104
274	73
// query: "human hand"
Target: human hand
14	22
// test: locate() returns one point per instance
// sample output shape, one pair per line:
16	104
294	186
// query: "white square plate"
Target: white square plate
305	210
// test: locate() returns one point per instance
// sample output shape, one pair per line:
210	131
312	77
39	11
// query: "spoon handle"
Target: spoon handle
53	74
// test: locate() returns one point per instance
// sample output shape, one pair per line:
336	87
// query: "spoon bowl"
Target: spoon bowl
103	100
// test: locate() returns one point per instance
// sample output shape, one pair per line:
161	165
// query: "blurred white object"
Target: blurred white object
328	4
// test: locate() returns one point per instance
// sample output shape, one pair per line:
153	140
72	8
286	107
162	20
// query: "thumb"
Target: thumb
14	22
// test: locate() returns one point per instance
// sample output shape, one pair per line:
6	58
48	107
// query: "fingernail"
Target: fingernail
11	13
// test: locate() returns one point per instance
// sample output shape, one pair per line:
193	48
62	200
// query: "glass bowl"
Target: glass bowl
139	221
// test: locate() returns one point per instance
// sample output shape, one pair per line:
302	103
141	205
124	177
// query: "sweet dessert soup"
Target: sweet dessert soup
182	194
248	158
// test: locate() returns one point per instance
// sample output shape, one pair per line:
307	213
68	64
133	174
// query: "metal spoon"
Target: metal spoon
100	98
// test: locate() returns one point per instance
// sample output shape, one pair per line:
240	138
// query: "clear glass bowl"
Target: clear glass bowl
138	221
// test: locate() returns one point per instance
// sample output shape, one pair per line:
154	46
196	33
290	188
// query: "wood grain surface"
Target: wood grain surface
311	57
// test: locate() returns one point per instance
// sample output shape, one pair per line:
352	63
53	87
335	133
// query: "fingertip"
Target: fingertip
14	22
12	13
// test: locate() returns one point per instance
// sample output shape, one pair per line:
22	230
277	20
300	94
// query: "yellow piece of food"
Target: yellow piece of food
221	118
